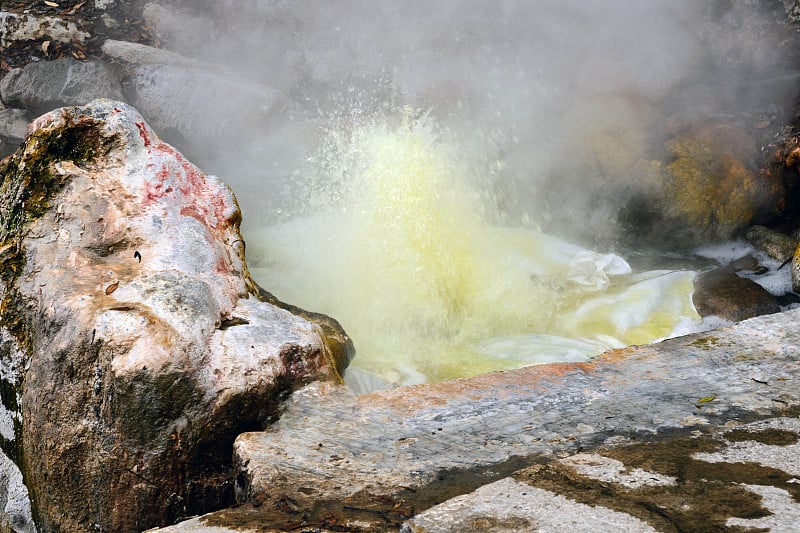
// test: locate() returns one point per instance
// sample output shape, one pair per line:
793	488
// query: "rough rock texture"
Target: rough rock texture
45	85
13	124
722	293
711	182
744	476
796	270
191	100
775	244
14	27
135	345
15	506
627	426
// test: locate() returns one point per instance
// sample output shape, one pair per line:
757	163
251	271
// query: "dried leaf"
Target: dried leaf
45	47
77	54
74	9
111	288
707	399
51	4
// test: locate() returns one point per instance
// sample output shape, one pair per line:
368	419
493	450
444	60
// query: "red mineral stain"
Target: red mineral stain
222	266
143	133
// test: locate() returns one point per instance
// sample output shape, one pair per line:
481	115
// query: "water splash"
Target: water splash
397	241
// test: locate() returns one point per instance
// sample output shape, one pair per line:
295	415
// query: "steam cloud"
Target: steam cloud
420	136
554	103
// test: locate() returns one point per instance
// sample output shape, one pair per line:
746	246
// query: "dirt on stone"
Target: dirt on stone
704	496
128	25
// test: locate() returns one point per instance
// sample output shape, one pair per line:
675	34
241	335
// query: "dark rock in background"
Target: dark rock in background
722	293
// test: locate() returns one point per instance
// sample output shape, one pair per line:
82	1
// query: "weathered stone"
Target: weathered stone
207	108
14	123
775	244
136	54
431	438
712	189
796	270
370	463
15	505
720	292
44	85
509	505
135	345
183	30
742	476
16	27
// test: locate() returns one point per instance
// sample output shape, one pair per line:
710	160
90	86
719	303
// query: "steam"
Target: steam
559	104
501	119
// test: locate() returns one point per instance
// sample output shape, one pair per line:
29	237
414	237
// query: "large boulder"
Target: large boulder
193	102
134	345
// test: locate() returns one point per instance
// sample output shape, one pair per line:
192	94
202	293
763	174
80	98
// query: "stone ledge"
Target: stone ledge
373	462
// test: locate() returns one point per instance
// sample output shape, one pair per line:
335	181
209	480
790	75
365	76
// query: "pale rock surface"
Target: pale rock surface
23	27
134	341
623	442
508	506
15	505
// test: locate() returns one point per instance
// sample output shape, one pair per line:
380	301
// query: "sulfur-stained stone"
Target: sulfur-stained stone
135	345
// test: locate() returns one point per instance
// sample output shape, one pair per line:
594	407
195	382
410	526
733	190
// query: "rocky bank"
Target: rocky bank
136	347
135	344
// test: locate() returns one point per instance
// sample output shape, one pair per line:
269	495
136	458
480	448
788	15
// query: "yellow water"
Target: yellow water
399	246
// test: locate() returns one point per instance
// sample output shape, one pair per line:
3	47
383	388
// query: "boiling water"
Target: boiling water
398	242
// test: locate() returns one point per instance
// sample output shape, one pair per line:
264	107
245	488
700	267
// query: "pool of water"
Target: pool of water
398	241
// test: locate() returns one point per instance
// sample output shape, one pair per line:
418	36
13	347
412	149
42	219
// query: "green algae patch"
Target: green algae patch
705	343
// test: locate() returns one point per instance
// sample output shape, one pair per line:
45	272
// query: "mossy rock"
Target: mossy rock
713	184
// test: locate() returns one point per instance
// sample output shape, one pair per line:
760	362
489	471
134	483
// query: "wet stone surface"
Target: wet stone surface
694	434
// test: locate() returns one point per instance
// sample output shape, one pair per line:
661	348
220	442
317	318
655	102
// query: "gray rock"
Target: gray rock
792	8
44	85
207	107
135	54
746	475
775	244
193	100
14	123
15	504
510	505
135	345
16	27
413	442
183	30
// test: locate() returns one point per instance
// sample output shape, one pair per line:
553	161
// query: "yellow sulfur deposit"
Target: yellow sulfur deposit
402	251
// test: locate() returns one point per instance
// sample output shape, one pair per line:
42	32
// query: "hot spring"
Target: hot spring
449	179
398	242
